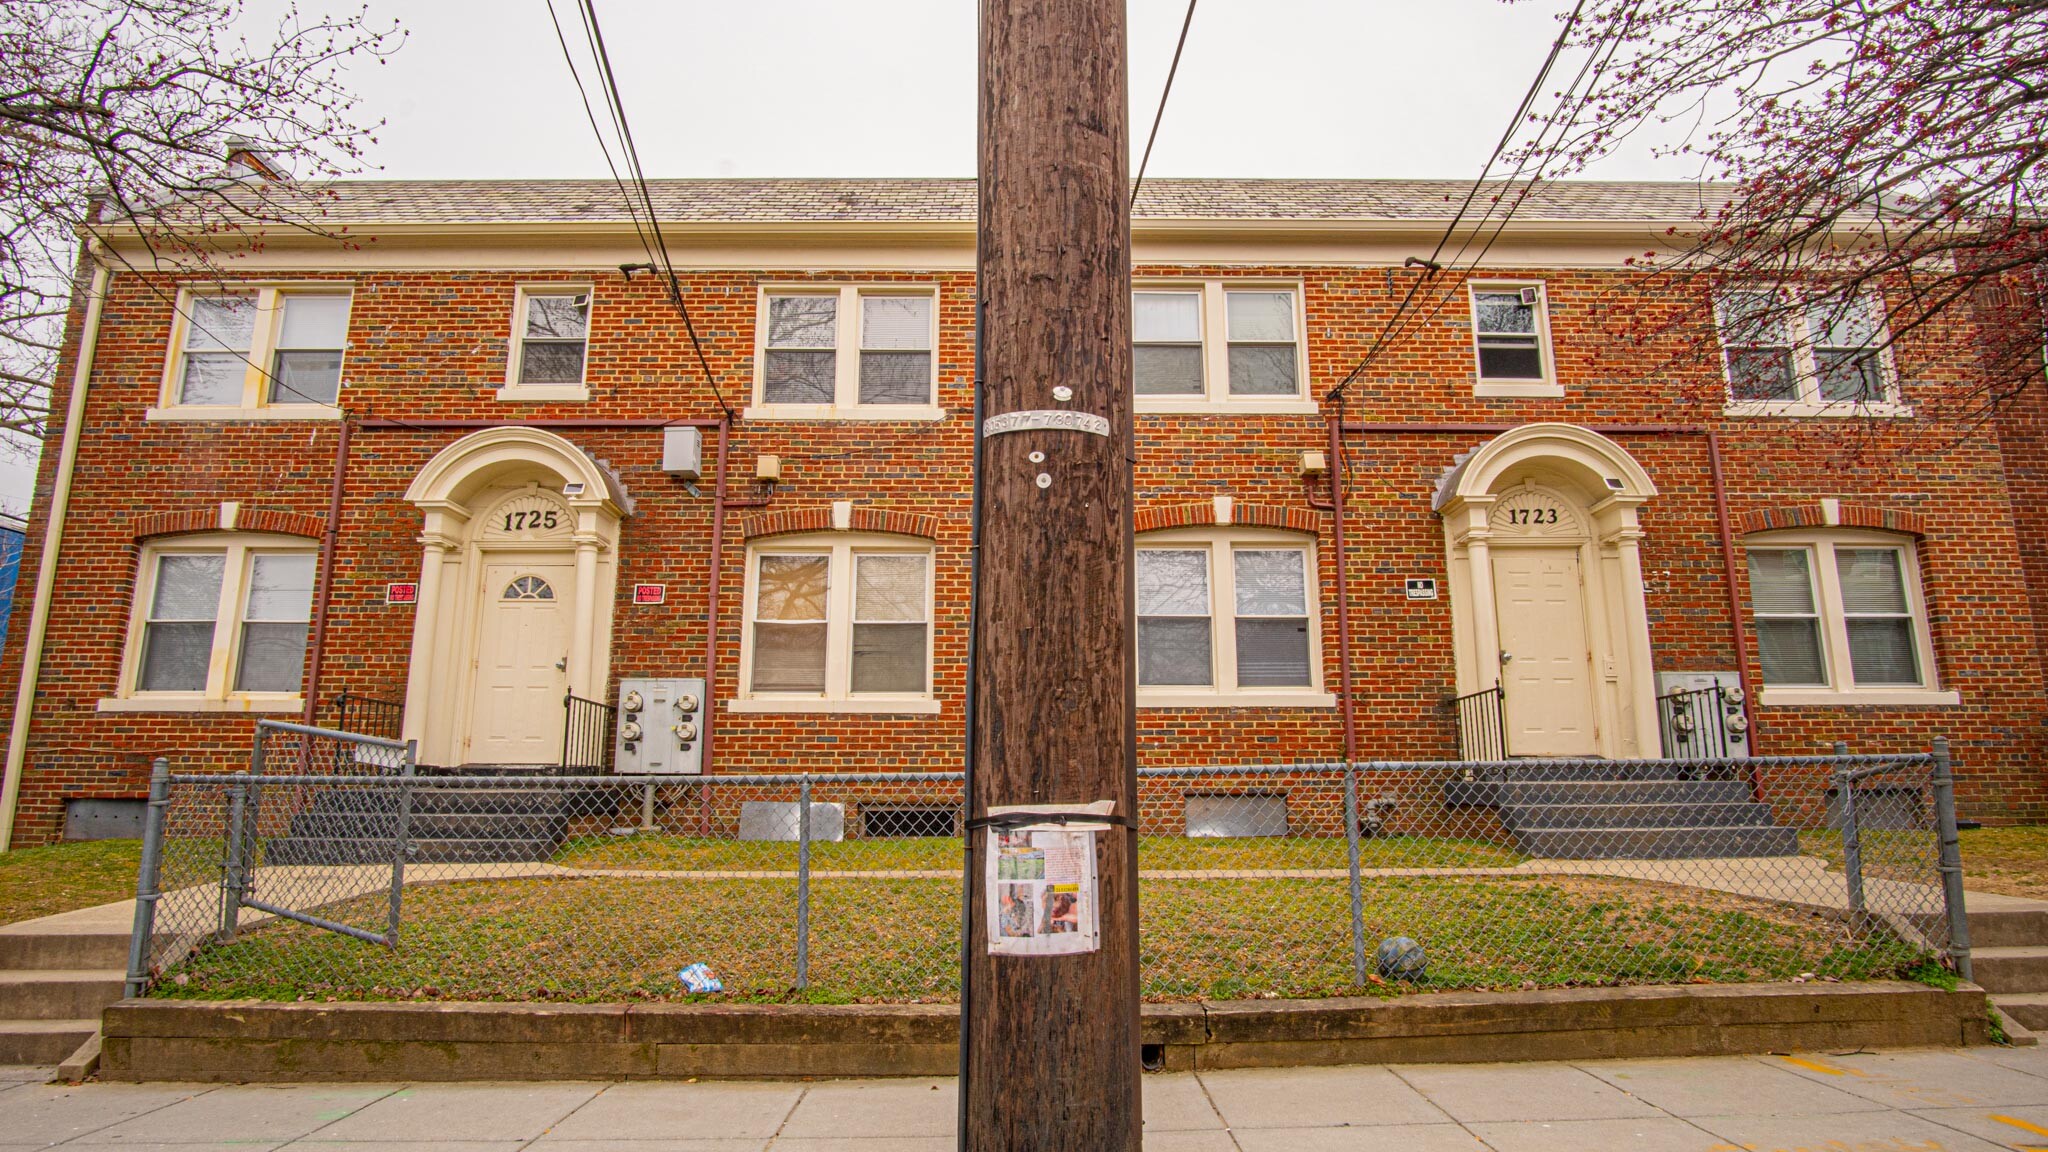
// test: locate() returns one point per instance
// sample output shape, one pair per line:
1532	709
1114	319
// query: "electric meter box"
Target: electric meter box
661	728
1734	720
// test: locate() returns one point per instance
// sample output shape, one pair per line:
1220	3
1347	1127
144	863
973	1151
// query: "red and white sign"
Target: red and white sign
402	593
650	593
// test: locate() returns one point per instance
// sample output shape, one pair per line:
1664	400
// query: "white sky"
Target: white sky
1329	88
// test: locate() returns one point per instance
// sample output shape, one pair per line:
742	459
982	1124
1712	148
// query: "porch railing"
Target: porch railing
1693	723
587	729
368	716
1482	724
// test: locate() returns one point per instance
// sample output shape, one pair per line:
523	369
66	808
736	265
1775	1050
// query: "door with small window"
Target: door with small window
522	663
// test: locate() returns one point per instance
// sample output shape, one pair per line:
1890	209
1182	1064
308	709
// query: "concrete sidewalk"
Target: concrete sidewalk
1912	1101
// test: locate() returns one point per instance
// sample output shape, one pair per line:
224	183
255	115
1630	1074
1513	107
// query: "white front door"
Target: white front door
1544	671
522	656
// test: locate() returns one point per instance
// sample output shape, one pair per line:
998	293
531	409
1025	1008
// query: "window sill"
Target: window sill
834	412
182	414
1301	699
538	393
1827	698
862	706
1885	409
1518	388
202	704
1262	406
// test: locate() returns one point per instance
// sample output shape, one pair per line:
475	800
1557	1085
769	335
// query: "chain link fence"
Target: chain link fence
333	870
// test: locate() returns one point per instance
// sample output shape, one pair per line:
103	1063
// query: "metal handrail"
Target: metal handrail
587	729
1482	724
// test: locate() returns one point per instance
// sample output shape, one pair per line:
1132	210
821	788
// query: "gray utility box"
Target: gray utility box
1733	720
661	728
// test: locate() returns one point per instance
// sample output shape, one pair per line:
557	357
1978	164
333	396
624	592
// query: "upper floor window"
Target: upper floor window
1806	355
1224	617
1511	338
1179	363
550	344
847	353
838	622
1839	613
220	618
256	351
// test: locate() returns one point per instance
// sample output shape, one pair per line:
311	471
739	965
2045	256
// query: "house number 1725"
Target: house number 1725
515	521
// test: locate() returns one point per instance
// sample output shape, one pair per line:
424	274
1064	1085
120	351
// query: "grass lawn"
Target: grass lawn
663	852
62	877
606	939
2009	860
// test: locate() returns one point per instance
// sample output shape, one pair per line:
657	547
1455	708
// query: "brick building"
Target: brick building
485	394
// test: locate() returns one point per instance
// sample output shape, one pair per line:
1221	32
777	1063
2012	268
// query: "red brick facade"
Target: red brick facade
430	346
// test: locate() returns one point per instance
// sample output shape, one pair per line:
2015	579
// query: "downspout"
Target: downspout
46	568
330	541
716	577
1346	703
1738	637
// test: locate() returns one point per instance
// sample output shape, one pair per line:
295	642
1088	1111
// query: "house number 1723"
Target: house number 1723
515	521
1532	516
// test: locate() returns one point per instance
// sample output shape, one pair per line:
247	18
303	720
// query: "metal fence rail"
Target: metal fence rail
1292	879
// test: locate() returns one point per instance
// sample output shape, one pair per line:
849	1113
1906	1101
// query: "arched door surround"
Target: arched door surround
518	574
1546	583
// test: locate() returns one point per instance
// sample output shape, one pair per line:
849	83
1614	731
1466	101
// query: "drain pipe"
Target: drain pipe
46	566
716	578
330	541
1347	705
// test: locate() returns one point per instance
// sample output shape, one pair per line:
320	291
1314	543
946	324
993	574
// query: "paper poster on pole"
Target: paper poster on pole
1042	895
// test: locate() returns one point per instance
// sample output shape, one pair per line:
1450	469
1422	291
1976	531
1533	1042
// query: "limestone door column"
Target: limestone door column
426	622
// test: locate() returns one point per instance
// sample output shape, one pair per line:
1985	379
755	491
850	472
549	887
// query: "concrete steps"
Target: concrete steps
2009	958
1670	843
1626	810
44	1041
57	975
447	824
2011	968
443	850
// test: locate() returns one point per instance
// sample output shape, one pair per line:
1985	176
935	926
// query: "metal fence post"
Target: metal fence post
1951	849
149	877
401	831
1358	972
803	883
1852	841
232	886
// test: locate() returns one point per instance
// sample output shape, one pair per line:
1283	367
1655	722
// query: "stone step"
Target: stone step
1635	815
43	1041
1656	843
2029	1008
47	950
293	850
58	993
1493	793
2011	968
2002	928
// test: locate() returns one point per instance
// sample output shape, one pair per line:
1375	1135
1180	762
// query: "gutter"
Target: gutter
46	566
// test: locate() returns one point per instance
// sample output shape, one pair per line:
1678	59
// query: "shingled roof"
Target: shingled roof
840	201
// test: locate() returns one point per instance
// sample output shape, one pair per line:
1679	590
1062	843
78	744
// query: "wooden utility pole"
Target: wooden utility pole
1050	1057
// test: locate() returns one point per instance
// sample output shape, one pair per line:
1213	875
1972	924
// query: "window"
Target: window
838	623
1223	617
256	352
1803	357
550	344
1178	365
1510	333
847	353
219	619
1840	614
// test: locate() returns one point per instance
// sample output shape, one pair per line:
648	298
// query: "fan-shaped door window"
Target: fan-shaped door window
529	588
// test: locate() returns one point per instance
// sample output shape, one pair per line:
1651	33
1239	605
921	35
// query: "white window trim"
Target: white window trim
217	696
846	403
1806	377
838	695
1546	349
1834	627
262	345
1216	395
1223	691
513	390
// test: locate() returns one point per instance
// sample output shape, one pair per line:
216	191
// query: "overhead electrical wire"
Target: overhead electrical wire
1431	265
1164	92
657	249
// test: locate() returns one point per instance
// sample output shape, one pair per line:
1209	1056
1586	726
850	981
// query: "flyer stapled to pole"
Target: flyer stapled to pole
1043	897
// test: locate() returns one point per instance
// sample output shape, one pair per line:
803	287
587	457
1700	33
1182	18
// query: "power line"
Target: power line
1431	265
1163	94
629	151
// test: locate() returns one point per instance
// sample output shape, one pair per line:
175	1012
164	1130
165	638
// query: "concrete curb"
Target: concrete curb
244	1040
